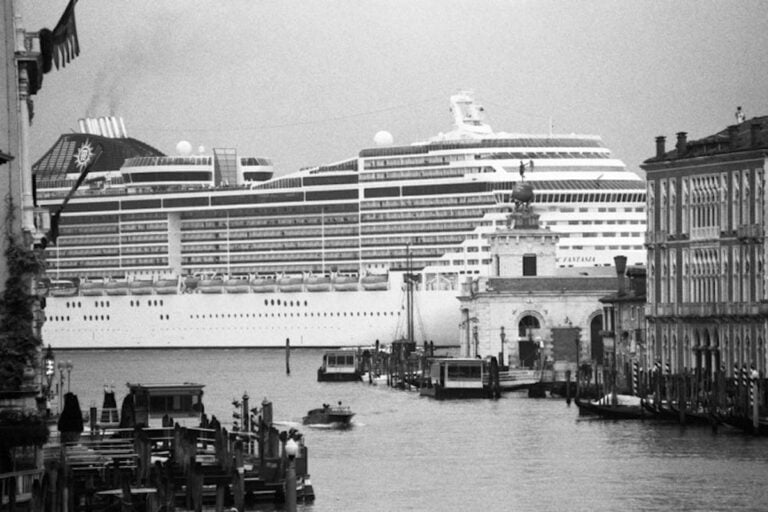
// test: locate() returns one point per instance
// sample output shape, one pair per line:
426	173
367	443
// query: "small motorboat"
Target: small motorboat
339	416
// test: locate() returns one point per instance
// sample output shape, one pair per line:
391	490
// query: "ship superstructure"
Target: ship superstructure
200	229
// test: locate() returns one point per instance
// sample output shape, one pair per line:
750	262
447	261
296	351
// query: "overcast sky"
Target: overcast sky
310	82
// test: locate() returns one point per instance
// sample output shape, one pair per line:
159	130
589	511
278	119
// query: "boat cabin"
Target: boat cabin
341	365
182	403
458	378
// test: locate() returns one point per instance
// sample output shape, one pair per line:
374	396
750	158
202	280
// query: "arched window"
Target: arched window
526	323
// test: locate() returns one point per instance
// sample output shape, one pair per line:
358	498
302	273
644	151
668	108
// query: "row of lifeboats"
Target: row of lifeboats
286	284
215	284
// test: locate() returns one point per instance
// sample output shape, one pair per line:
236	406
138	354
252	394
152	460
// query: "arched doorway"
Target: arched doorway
528	349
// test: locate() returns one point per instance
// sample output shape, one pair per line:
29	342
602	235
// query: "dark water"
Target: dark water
412	453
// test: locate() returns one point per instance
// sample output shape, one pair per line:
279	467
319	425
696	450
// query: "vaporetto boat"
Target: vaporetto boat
212	250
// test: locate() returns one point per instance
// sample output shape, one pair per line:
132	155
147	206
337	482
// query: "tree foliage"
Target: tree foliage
19	345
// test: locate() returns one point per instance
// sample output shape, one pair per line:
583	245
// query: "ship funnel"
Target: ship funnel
108	125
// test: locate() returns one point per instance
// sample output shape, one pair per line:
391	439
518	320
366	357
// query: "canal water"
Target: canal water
410	453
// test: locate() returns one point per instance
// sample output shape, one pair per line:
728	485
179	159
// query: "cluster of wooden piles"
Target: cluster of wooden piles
147	469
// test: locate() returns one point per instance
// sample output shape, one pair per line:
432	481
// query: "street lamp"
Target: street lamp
69	374
291	450
503	337
49	370
62	366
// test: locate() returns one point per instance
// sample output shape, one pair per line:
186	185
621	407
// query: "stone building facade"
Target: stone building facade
706	243
529	308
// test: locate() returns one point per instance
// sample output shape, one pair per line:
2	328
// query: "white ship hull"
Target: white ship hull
196	320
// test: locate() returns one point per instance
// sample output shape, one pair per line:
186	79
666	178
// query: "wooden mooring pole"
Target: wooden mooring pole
287	356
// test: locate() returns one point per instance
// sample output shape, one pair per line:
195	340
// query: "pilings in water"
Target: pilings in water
145	469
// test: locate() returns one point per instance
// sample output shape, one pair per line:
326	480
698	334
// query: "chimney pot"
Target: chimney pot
621	269
754	134
660	143
733	136
682	143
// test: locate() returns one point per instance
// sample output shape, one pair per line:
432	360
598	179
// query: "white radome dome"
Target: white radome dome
383	138
183	148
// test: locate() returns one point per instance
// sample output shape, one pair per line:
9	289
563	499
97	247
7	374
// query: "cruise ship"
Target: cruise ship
213	250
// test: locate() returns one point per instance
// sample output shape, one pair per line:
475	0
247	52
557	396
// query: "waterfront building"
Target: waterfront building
624	326
529	309
706	250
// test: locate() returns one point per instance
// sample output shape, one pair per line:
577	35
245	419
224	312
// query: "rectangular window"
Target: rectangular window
529	264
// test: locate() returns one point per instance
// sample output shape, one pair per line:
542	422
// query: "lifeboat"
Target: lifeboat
166	286
62	288
141	287
116	287
212	285
92	288
263	285
375	282
290	284
318	284
345	283
237	285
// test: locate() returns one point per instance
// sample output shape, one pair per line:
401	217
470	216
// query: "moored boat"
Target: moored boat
626	408
341	365
462	377
156	405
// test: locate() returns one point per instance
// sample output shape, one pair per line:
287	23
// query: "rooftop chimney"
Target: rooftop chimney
733	136
660	143
621	269
754	133
682	143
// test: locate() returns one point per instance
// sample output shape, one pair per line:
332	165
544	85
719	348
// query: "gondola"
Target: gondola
612	412
659	411
696	418
746	424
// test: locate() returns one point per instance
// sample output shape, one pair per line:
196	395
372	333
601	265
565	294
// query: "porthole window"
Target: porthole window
266	302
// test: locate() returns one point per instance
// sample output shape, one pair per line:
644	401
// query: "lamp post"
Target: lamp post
49	370
69	374
503	337
291	450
